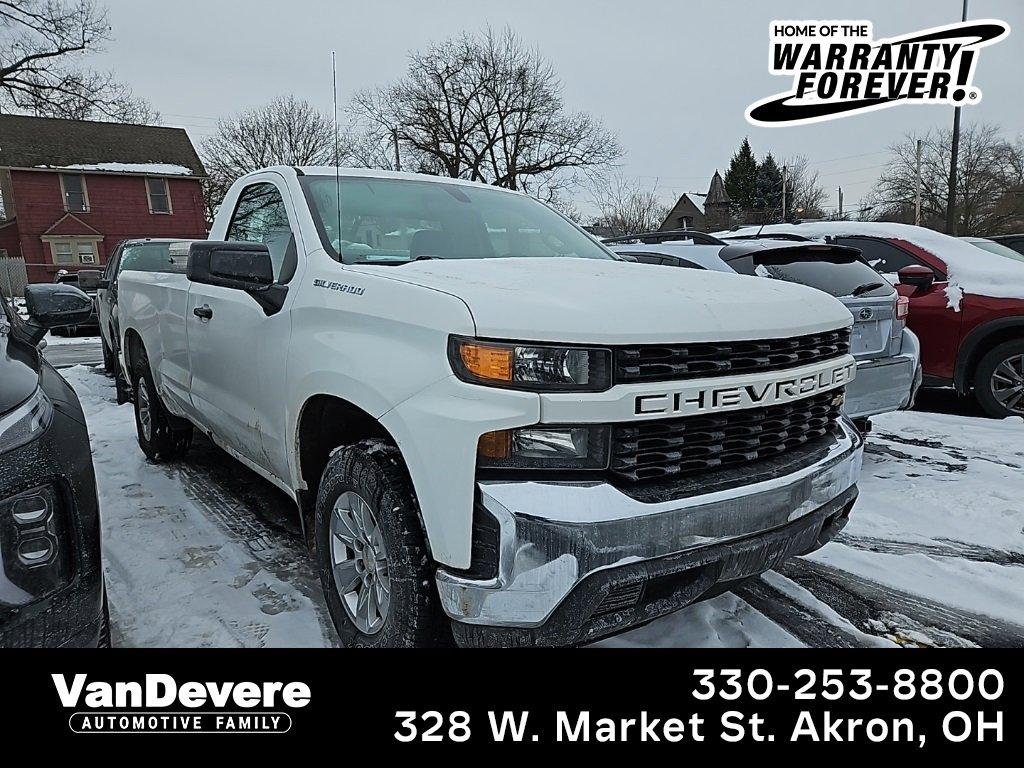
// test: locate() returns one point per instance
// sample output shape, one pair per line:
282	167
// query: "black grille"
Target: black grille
693	361
653	450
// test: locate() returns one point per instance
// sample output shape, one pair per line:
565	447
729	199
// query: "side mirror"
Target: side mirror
916	276
91	280
54	305
241	266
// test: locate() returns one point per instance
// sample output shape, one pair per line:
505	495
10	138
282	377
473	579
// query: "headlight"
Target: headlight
530	366
543	447
26	422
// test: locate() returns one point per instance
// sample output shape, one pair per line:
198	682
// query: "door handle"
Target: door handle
204	312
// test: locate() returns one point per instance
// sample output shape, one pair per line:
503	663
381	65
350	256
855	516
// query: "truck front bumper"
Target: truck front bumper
578	561
886	384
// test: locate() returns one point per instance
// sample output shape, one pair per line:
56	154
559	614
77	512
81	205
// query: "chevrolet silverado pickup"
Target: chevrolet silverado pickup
494	429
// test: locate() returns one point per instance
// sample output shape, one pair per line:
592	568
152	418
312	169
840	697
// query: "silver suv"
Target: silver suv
887	352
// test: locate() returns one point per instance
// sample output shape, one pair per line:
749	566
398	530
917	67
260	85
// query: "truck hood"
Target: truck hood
590	301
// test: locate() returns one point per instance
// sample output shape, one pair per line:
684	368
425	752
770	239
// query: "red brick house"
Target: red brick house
73	189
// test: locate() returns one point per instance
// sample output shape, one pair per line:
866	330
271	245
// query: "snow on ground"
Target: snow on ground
201	553
177	575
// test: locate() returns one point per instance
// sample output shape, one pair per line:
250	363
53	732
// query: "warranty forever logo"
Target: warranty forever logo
839	69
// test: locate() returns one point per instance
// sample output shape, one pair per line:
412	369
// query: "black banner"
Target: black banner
774	702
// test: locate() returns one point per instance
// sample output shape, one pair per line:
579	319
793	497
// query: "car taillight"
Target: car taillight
902	308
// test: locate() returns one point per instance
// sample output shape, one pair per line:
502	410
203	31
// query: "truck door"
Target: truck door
237	352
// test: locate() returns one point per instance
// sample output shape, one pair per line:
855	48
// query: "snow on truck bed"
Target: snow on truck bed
970	269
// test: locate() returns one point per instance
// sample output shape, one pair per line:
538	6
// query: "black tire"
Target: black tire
374	470
984	380
168	436
109	358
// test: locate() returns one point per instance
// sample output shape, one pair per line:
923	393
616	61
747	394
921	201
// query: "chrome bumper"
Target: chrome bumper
885	384
554	535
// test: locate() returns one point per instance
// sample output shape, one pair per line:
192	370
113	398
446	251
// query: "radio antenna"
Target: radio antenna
337	143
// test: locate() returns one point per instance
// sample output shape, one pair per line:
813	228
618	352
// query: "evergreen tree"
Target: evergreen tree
768	188
741	178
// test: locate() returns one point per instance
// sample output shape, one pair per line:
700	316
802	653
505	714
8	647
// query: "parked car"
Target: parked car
887	352
992	246
145	255
51	580
1016	242
492	426
966	305
92	322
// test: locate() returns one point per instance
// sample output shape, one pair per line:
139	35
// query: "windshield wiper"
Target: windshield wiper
865	288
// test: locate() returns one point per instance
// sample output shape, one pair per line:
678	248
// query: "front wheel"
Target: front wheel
375	570
162	436
999	380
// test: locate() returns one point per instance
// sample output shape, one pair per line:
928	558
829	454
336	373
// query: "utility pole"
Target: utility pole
840	202
784	170
917	196
954	152
398	156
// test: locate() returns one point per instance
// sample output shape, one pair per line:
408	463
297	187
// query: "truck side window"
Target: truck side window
261	217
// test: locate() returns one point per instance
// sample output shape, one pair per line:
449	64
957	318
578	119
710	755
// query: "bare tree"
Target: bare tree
287	131
805	195
626	207
988	197
488	108
42	43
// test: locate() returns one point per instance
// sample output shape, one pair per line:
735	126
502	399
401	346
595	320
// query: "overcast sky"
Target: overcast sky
671	78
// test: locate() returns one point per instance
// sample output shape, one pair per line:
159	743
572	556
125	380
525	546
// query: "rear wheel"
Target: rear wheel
999	380
162	436
376	572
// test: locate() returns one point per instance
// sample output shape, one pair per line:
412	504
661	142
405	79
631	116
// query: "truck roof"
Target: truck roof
373	173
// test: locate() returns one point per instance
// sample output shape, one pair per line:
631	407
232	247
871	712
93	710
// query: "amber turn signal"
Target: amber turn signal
487	362
495	445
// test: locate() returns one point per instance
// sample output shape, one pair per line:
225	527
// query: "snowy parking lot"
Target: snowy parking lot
205	553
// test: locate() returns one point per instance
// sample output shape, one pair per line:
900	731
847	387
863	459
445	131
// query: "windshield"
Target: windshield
394	221
997	248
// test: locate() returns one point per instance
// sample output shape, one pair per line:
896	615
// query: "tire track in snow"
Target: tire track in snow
808	626
911	619
939	548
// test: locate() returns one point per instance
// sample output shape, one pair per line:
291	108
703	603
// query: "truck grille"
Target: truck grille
653	450
693	361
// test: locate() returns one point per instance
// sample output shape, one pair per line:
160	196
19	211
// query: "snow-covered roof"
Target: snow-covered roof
152	169
970	269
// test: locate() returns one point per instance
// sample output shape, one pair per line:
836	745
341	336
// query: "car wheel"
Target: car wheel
109	358
162	436
999	380
375	569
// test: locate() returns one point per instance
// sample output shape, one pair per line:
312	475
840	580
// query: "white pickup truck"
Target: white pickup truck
493	428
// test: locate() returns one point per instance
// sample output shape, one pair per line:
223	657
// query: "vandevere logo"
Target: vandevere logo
839	69
161	704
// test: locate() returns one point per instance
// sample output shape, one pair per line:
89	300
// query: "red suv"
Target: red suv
966	304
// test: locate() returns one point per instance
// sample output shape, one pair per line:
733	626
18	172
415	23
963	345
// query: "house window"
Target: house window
76	199
73	251
63	253
86	252
159	198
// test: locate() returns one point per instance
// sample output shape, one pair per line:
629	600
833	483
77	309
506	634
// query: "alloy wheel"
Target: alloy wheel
1007	384
359	562
145	409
